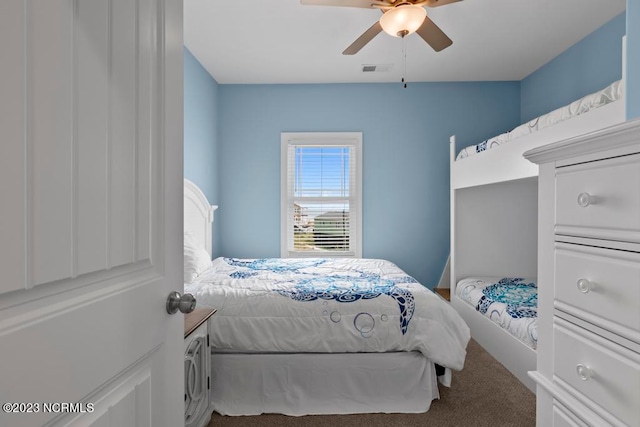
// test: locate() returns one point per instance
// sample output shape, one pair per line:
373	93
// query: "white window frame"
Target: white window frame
339	139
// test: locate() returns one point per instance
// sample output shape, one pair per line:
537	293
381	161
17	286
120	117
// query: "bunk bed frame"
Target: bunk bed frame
486	240
506	162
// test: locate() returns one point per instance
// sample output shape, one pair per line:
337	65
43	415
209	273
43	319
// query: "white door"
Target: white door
90	212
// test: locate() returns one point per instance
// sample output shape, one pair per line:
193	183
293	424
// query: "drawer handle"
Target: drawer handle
584	286
584	372
585	199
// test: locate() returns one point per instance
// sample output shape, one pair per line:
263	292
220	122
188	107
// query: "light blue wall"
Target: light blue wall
406	195
405	154
201	129
586	67
633	59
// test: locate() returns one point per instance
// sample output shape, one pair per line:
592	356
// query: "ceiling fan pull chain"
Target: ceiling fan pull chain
404	61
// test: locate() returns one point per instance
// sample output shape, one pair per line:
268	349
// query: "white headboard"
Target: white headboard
198	215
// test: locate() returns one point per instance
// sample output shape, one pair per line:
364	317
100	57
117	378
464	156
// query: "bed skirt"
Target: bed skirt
312	383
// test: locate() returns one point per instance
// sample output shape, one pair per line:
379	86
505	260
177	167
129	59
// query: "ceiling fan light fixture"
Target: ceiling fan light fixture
403	20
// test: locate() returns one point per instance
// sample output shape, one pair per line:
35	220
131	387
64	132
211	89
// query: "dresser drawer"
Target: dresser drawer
603	283
600	199
562	417
597	369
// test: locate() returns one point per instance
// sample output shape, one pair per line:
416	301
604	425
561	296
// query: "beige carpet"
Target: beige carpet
484	393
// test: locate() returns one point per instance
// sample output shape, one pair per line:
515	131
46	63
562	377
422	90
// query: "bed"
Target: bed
494	206
500	158
319	336
509	302
590	102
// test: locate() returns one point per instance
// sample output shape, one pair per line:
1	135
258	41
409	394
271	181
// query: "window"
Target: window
321	194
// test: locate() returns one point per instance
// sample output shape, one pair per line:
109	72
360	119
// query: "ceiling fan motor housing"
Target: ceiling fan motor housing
403	19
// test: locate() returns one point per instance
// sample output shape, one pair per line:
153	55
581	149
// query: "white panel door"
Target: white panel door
90	212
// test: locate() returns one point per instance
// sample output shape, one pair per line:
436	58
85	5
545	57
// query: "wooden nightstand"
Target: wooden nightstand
197	368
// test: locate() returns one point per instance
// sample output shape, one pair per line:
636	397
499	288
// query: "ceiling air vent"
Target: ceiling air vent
376	68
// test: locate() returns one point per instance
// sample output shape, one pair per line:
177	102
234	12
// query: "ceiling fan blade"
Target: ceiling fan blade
436	3
365	38
346	3
433	35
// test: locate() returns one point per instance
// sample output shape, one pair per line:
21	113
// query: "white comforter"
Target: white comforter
327	306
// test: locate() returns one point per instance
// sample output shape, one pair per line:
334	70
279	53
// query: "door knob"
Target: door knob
185	303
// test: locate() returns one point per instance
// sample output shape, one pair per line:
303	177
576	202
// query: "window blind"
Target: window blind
322	198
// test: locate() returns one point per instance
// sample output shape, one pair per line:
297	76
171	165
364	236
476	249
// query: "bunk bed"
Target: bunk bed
303	336
494	207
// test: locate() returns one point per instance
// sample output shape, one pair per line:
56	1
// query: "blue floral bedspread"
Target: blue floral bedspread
327	305
511	303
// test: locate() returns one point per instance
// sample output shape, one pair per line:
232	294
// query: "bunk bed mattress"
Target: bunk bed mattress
511	303
611	93
332	305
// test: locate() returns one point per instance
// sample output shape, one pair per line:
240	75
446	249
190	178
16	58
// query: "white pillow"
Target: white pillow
196	259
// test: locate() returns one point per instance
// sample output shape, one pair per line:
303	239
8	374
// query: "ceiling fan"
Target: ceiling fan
399	19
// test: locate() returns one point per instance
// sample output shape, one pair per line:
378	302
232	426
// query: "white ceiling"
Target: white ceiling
281	41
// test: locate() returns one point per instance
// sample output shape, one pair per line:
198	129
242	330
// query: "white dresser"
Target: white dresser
588	361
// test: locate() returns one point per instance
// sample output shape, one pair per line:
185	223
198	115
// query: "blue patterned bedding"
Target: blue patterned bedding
327	305
511	303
